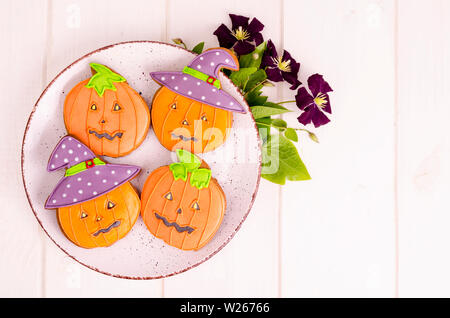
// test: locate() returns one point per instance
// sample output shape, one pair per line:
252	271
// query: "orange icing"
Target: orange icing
132	120
92	223
202	210
189	119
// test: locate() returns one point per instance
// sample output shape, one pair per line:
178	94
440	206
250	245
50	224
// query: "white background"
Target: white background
375	219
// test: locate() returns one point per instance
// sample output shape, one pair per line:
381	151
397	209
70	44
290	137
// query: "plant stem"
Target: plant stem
287	102
282	129
260	83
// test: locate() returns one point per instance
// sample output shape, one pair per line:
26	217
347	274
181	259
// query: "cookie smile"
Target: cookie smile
106	230
181	137
106	135
179	228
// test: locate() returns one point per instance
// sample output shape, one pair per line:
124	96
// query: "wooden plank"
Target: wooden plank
248	266
338	230
79	27
21	60
424	147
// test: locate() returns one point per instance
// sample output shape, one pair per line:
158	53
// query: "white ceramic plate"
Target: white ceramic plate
236	164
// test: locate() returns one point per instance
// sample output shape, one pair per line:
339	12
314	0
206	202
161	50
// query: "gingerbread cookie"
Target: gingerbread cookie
106	114
182	204
96	205
192	111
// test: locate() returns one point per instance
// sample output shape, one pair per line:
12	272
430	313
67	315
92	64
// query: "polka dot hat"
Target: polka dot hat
199	80
86	177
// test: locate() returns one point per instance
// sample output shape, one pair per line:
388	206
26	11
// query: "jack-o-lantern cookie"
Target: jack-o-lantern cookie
192	111
106	114
182	204
96	205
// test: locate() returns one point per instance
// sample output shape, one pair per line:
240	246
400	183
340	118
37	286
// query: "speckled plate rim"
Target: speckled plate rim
94	268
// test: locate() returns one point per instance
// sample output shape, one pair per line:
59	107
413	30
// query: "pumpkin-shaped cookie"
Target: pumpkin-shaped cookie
106	114
182	204
96	204
192	111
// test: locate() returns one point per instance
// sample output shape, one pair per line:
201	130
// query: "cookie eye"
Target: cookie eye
83	215
185	122
204	118
195	206
93	107
117	107
173	106
169	196
110	205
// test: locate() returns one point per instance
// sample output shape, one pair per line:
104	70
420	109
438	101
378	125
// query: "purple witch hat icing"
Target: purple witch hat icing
199	80
87	177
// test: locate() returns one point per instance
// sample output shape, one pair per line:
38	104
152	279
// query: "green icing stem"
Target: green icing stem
200	178
104	79
201	76
179	170
189	163
82	166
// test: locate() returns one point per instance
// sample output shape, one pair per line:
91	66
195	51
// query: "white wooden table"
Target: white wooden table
375	219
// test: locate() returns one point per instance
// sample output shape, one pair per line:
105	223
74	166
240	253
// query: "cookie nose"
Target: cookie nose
179	210
103	121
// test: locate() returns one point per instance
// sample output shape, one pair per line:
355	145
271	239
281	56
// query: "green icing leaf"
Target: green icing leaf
189	160
200	178
266	111
255	79
198	48
104	79
291	134
190	163
281	161
241	77
253	59
179	171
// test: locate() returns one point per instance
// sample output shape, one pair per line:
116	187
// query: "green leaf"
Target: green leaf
241	77
291	134
263	125
189	160
254	97
179	170
268	84
253	59
266	121
198	48
266	111
281	161
270	104
278	123
255	79
200	178
103	79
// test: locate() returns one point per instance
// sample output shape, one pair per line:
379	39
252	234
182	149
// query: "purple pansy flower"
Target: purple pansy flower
242	34
314	105
279	68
